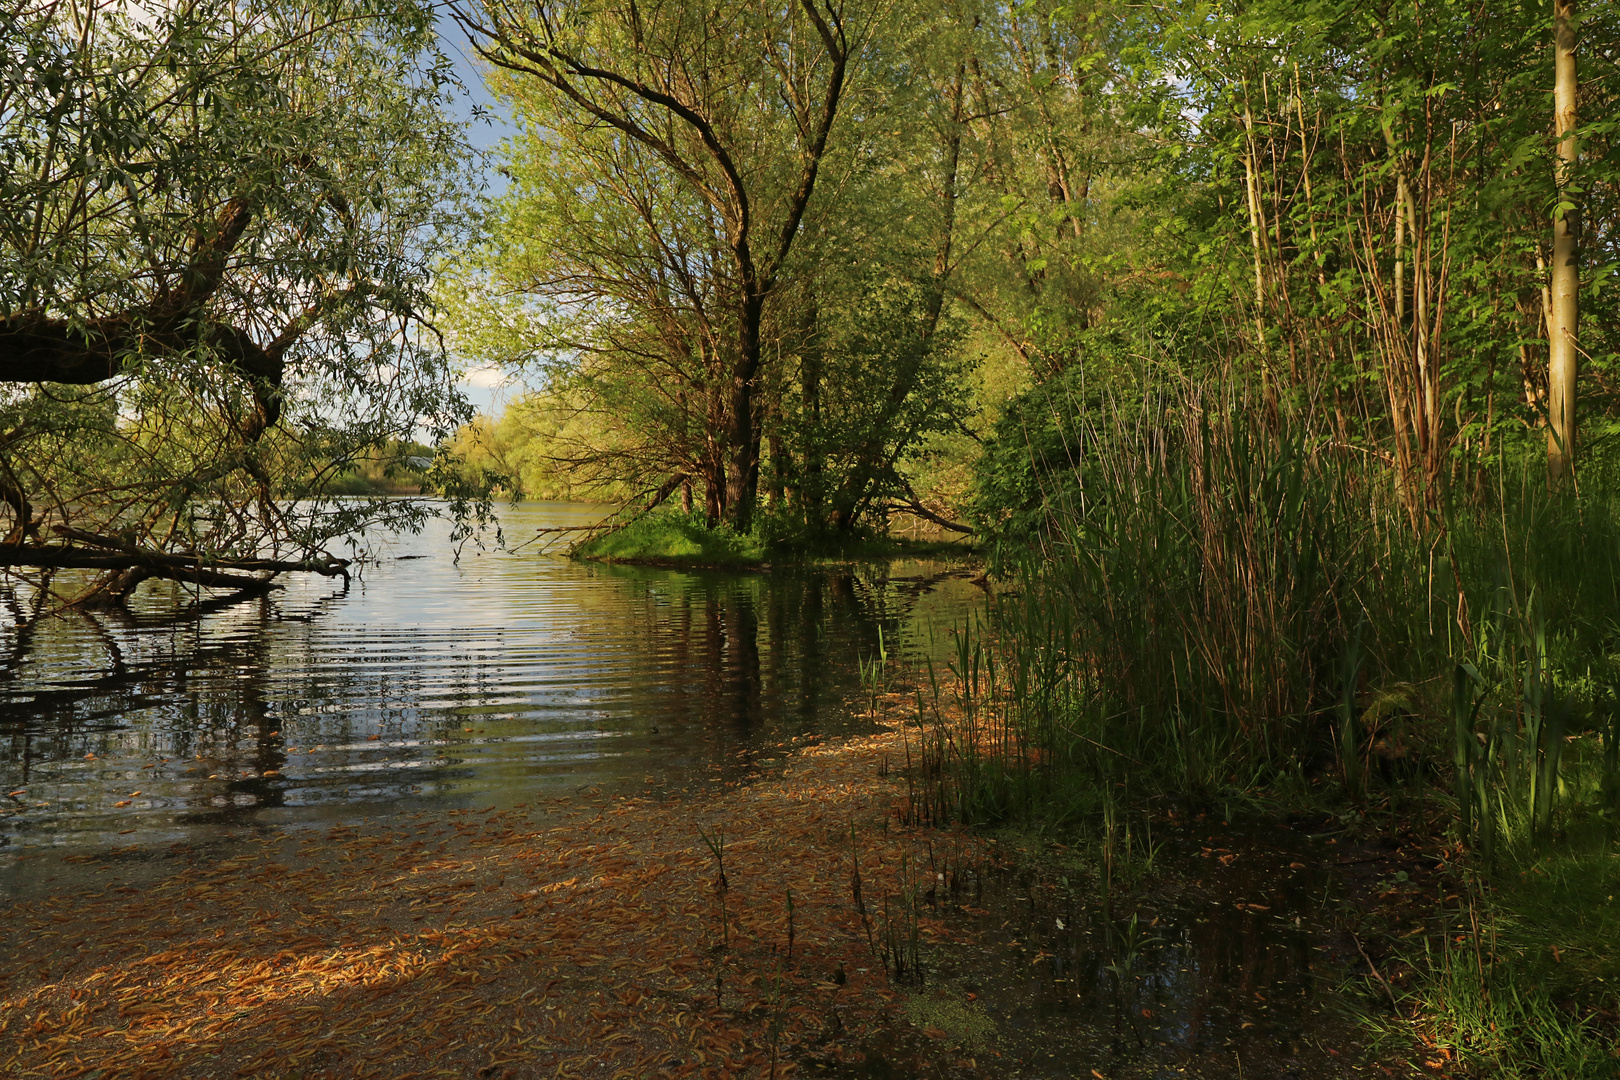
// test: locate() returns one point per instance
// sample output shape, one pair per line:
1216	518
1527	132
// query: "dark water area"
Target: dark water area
1229	959
431	683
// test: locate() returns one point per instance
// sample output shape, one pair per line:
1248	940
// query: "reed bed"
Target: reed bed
1214	609
1253	614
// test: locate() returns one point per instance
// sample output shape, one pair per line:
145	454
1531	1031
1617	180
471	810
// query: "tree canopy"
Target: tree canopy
217	225
1349	211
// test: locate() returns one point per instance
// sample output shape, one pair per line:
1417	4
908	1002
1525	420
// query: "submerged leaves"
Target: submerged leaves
562	947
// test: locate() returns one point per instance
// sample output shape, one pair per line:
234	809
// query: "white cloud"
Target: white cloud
486	378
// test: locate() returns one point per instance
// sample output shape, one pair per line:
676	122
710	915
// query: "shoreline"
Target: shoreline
604	935
485	943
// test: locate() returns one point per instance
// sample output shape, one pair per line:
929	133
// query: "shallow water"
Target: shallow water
432	682
1228	960
505	677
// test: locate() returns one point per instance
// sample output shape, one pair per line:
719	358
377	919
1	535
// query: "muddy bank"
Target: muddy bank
785	926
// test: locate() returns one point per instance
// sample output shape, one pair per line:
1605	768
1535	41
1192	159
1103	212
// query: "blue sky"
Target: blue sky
487	390
469	69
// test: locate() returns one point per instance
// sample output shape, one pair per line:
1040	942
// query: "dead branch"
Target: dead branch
110	555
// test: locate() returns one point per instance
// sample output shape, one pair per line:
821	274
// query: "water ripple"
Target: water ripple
494	679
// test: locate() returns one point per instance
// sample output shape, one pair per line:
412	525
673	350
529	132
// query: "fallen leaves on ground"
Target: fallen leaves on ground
484	943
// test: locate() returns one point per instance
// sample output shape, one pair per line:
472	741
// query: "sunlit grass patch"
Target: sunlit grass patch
675	537
669	536
1502	1025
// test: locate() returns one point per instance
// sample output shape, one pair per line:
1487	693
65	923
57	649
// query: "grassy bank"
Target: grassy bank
1218	615
672	538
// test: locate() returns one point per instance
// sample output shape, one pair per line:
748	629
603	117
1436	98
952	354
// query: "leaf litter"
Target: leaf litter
581	937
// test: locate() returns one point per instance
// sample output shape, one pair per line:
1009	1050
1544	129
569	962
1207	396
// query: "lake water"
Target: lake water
489	680
509	675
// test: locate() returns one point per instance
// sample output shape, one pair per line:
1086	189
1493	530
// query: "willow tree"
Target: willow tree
692	138
216	228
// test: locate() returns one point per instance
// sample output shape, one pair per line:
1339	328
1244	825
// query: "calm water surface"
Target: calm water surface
489	680
511	675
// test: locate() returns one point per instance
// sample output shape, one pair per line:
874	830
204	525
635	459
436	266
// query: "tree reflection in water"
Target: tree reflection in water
491	681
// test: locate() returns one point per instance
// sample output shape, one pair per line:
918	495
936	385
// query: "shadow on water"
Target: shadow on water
492	680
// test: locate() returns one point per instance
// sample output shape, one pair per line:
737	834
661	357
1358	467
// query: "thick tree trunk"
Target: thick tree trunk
781	470
195	569
1564	309
714	485
742	476
50	351
714	456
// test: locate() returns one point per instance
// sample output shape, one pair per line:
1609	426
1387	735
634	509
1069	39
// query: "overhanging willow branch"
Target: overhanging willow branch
207	573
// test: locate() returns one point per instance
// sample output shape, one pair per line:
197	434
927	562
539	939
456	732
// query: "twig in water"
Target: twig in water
1379	975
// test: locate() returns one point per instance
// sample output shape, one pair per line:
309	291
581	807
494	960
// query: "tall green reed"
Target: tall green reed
1218	605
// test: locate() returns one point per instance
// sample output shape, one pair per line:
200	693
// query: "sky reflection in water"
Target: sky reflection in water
428	681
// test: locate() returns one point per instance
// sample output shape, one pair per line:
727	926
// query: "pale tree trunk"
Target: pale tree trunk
1564	309
1422	331
1251	192
1403	200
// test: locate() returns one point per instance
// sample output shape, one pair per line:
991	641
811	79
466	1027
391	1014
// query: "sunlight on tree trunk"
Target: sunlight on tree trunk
1564	310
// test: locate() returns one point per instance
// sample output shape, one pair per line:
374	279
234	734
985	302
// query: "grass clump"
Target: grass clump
1534	989
1497	1024
676	538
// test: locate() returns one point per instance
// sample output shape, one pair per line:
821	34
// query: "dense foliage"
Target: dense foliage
1349	209
1352	215
216	231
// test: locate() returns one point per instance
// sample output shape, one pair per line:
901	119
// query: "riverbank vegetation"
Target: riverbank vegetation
1276	347
1227	631
1268	352
680	538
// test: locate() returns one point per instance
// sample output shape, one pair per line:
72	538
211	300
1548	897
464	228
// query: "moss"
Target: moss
965	1024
